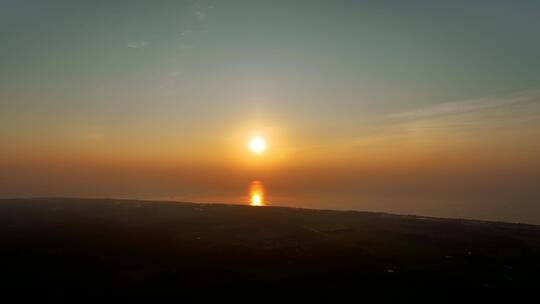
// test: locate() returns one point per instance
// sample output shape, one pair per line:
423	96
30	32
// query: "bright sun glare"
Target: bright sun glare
257	145
256	200
256	193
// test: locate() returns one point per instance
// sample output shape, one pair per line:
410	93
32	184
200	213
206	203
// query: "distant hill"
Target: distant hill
93	248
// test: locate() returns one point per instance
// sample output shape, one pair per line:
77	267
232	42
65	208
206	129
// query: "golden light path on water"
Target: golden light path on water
256	194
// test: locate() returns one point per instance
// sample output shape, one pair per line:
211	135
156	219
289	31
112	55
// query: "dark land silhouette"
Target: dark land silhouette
102	248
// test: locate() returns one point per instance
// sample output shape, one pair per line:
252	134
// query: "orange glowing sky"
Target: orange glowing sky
361	105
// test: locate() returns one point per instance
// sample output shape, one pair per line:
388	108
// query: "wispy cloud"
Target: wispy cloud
507	118
137	45
201	15
187	33
469	106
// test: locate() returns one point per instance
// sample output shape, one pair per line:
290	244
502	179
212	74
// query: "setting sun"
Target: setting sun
257	145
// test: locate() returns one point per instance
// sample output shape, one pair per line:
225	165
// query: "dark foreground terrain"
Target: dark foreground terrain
103	248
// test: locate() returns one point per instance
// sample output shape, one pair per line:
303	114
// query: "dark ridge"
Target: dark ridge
104	247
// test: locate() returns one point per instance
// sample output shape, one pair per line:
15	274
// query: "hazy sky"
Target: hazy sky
424	107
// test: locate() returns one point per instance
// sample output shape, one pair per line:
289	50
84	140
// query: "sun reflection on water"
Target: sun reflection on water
256	194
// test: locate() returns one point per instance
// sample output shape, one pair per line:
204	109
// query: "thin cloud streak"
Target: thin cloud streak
469	106
138	45
509	120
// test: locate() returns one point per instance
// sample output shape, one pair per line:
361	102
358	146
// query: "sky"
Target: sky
413	107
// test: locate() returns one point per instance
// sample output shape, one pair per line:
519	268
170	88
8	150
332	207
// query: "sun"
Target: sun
257	145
